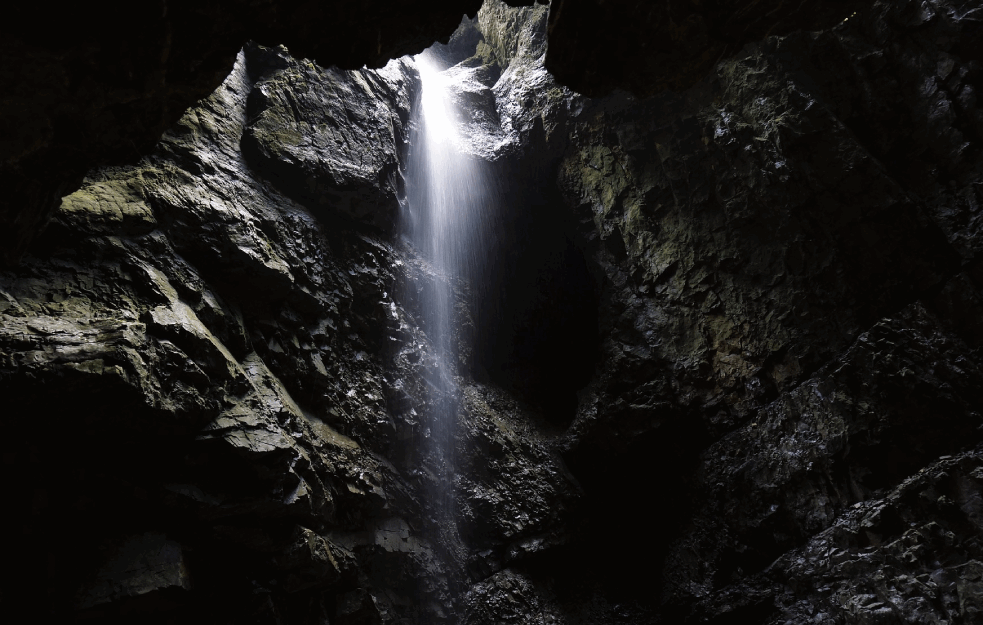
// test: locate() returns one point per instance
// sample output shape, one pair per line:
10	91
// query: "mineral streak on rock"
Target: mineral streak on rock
725	368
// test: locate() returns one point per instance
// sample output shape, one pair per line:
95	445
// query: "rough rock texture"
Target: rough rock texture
230	371
788	279
304	134
725	367
90	85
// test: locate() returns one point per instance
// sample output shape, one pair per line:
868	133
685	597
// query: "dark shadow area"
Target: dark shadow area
637	497
77	471
536	306
746	614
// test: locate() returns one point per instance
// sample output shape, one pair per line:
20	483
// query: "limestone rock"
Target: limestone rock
332	139
757	293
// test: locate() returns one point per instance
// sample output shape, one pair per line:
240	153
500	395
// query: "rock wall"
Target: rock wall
88	86
788	340
213	368
94	85
725	363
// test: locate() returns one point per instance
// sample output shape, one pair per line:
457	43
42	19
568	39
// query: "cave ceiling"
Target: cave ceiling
715	355
92	85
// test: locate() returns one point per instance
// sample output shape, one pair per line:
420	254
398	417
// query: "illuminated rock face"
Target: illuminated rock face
89	86
243	364
95	85
724	365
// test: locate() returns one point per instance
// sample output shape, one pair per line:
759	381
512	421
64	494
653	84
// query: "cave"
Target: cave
493	311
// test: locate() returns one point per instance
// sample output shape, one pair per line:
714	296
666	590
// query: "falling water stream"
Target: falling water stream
446	196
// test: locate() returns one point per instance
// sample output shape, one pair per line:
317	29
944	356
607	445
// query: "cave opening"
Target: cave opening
506	294
713	354
533	294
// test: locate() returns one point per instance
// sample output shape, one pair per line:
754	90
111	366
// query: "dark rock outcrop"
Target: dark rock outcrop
725	367
648	47
597	46
335	159
779	274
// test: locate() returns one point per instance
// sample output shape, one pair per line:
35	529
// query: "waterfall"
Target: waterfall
446	198
449	193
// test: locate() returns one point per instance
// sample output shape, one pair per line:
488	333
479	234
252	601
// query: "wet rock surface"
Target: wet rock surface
725	363
305	137
90	86
233	369
93	85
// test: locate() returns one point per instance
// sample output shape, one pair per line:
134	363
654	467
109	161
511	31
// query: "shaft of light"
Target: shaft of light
446	197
